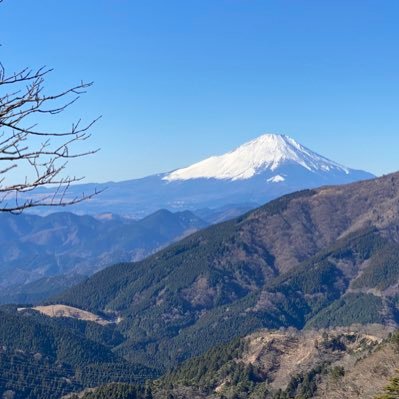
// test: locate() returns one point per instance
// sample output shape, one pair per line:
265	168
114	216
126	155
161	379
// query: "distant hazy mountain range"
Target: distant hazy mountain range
35	247
254	173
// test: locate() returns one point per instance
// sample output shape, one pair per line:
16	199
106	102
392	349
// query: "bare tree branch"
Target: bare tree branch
22	99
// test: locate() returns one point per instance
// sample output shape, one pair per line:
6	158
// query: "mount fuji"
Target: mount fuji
266	154
252	174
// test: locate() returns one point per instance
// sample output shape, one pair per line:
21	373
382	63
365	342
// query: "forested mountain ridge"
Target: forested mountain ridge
34	247
320	257
356	362
45	358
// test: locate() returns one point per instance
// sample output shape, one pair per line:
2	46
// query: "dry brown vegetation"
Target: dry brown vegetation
69	311
353	362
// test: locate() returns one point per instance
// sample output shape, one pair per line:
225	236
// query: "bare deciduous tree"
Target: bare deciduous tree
41	155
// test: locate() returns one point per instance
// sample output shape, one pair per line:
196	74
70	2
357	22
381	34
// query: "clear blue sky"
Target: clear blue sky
177	81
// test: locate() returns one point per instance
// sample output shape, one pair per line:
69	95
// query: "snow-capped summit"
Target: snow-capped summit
254	173
265	153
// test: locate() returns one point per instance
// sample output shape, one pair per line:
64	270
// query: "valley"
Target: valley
308	259
199	199
41	256
316	262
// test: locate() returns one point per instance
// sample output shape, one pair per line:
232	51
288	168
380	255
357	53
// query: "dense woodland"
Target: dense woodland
44	358
118	391
315	294
310	260
201	377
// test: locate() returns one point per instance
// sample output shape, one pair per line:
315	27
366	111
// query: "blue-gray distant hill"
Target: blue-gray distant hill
35	249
